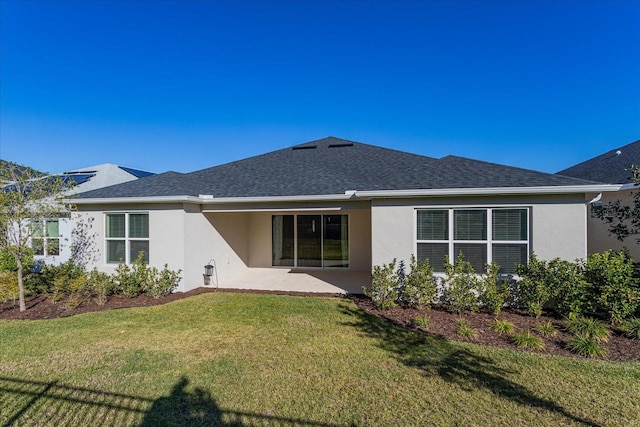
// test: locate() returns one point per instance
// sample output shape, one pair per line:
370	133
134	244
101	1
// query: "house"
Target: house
318	216
54	243
611	167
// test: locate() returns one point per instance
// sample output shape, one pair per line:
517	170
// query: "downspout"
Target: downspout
586	229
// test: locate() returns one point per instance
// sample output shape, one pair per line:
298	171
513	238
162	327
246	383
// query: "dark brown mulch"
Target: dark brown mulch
441	322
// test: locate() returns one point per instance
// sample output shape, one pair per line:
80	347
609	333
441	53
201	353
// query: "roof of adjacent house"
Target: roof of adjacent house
611	167
99	176
332	166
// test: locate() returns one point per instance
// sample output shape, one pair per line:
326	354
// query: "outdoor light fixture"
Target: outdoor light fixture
208	270
210	274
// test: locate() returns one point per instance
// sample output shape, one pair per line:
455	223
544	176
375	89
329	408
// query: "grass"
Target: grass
464	329
503	327
587	346
546	329
422	322
588	327
631	327
527	340
245	359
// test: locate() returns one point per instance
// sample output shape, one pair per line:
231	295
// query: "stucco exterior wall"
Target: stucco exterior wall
557	224
598	236
185	238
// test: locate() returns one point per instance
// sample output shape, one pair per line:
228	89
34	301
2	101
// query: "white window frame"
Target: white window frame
488	242
45	238
127	239
295	242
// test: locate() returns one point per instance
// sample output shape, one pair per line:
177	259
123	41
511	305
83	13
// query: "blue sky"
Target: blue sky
184	85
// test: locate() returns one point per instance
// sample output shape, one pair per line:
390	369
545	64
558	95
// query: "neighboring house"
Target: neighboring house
611	167
318	216
53	244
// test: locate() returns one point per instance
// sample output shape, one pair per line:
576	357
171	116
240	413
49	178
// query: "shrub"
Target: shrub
132	280
384	286
421	322
101	286
493	291
460	286
616	291
8	262
161	282
570	291
532	291
586	346
503	327
464	329
546	329
8	286
588	327
527	340
64	279
631	327
420	285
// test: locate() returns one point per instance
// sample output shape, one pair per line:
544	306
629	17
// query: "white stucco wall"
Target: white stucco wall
598	236
557	224
185	238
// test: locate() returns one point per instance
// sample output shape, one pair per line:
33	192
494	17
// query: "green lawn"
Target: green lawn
244	360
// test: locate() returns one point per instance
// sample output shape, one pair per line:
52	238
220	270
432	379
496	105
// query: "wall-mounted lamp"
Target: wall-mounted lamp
210	273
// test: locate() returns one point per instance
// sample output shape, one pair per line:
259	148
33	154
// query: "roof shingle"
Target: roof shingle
332	166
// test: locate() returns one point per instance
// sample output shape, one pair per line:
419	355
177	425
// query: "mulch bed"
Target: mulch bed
441	322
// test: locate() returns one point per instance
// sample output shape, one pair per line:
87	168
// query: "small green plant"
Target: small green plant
460	285
546	329
8	286
421	322
493	291
464	329
420	284
631	327
527	340
503	327
101	286
588	327
384	286
586	346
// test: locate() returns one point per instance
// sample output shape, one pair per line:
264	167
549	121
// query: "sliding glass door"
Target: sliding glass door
310	241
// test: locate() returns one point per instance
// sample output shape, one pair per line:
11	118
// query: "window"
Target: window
482	235
46	237
127	234
310	241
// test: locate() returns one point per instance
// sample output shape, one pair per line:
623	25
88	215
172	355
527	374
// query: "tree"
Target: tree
623	220
27	198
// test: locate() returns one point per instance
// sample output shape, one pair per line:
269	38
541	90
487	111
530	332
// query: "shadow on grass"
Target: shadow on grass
24	402
435	355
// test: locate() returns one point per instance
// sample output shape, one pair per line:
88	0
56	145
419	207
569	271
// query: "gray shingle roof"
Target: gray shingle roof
610	167
332	166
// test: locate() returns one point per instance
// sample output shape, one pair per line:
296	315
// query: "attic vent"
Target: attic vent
304	147
343	144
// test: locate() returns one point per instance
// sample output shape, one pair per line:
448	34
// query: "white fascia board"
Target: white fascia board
136	200
629	186
489	191
209	200
354	195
